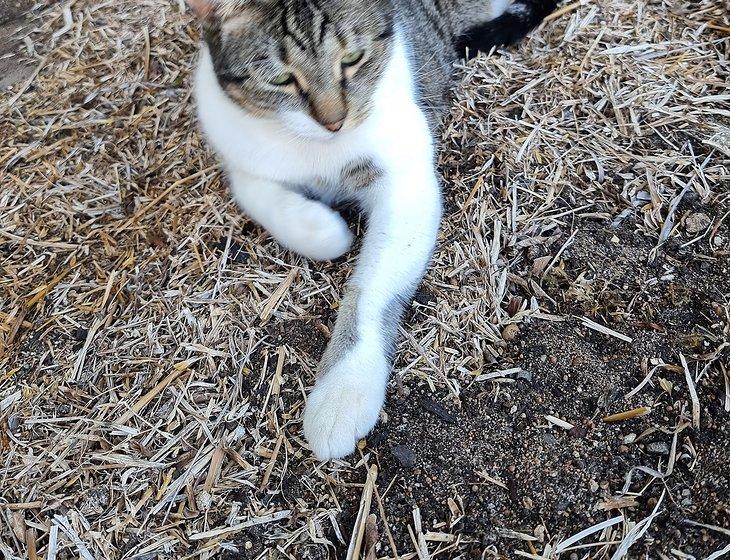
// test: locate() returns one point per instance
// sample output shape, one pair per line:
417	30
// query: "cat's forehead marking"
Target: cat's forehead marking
304	23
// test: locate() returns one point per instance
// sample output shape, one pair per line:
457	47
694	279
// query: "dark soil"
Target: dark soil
558	478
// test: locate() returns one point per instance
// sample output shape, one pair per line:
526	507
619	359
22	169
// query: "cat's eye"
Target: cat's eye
283	79
352	58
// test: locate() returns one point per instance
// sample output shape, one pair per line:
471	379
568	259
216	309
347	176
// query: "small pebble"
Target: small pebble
13	424
510	332
203	500
658	448
696	222
405	456
630	438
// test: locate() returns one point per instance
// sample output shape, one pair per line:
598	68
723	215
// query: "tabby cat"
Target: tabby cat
311	103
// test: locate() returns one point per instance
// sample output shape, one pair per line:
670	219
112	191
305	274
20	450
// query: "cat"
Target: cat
310	103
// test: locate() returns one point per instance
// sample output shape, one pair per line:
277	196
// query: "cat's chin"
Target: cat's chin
305	127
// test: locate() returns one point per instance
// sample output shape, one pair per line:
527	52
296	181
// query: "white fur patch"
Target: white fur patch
498	7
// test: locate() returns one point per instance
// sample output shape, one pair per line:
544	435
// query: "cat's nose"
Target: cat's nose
328	108
334	126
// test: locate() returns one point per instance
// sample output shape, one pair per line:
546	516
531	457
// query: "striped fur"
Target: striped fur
253	41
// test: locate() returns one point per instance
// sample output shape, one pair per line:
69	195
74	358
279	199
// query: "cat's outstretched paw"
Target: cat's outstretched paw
340	411
315	231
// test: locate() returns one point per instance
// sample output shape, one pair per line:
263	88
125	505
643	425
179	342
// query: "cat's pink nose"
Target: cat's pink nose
335	126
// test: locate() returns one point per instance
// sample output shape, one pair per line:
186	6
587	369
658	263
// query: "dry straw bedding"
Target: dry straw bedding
153	364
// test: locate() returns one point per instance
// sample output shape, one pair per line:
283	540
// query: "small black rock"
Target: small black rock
405	456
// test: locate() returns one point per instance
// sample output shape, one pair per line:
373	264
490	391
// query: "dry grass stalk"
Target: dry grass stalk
692	392
216	533
564	544
637	531
628	414
358	532
605	330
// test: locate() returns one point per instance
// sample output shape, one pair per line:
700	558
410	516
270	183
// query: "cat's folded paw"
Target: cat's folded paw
340	411
315	231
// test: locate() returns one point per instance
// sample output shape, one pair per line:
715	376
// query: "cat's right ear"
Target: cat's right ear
206	10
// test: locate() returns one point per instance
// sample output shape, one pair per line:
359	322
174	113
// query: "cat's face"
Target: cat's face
312	64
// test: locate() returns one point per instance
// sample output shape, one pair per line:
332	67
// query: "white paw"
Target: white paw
341	410
315	231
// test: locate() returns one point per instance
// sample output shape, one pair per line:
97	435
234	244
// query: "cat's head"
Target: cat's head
312	64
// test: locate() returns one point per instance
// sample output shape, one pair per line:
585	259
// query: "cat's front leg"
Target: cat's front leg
305	226
404	210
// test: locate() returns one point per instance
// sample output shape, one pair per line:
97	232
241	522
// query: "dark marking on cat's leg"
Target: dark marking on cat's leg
360	174
392	317
345	333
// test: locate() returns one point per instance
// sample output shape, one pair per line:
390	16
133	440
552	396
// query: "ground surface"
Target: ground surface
155	346
15	17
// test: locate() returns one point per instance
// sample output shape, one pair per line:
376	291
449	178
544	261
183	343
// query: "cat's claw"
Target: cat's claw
340	411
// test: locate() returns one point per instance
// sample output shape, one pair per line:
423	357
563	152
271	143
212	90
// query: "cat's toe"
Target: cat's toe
338	413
